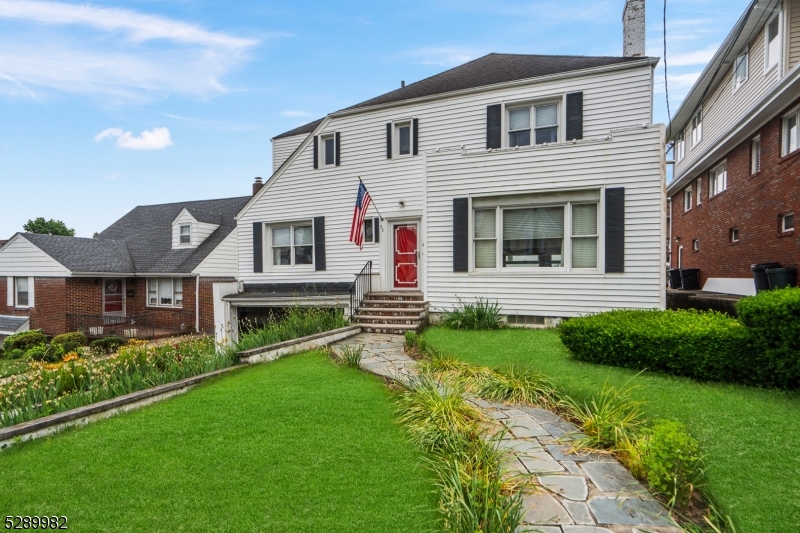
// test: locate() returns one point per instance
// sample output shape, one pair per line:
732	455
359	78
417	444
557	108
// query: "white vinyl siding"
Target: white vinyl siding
282	148
794	33
723	106
222	261
618	99
632	159
20	257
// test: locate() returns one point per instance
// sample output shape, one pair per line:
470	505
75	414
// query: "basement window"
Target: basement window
734	234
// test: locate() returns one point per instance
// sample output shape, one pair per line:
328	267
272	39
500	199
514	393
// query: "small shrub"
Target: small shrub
75	338
701	345
25	340
482	314
107	345
773	320
671	461
49	353
16	353
351	355
411	339
610	421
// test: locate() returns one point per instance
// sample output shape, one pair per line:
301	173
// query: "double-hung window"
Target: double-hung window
773	47
680	147
791	126
740	70
539	120
328	150
547	236
186	234
687	199
292	244
718	180
699	191
697	127
755	156
402	134
21	292
165	292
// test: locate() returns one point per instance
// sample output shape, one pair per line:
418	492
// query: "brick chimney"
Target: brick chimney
257	186
633	29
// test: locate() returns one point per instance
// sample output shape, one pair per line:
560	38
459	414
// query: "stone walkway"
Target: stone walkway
576	493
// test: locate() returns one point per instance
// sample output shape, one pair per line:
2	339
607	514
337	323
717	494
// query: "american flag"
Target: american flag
362	203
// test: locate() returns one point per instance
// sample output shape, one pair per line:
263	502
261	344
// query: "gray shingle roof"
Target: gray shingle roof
141	241
10	324
487	70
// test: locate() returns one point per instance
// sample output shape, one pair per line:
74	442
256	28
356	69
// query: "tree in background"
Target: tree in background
48	227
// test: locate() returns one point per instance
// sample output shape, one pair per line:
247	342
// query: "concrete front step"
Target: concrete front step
391	329
398	296
391	311
394	304
388	320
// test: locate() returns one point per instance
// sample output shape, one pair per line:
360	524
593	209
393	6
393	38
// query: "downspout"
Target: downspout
197	304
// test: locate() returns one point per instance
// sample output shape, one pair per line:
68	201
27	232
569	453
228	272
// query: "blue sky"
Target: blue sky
112	104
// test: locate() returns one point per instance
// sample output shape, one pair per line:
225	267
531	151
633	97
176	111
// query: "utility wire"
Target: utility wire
666	85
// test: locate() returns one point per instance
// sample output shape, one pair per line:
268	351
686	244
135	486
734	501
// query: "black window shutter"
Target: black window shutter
493	120
319	243
615	229
388	140
376	229
338	148
316	152
574	116
258	247
415	134
460	234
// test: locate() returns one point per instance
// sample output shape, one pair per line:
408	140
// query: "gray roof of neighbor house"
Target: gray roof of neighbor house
141	241
10	324
490	69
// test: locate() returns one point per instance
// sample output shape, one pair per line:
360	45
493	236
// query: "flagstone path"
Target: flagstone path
576	493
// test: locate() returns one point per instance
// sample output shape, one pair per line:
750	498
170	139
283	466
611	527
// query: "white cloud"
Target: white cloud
113	53
115	176
296	113
155	139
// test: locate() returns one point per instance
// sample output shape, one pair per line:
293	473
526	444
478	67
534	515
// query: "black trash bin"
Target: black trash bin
760	275
690	281
781	277
674	278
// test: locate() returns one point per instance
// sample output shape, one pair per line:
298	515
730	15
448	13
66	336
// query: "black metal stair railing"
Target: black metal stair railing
361	286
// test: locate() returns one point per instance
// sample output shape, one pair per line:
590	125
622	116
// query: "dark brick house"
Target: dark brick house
150	273
736	185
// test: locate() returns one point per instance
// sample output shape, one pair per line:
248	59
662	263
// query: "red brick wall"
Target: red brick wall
751	203
50	302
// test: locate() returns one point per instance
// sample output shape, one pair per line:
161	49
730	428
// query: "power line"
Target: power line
666	85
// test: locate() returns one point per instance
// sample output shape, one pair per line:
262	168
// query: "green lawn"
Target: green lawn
751	436
9	367
297	445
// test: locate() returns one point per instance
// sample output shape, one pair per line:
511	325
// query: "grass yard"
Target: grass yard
10	367
750	436
296	445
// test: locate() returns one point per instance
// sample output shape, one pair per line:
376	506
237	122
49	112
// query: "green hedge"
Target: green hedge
773	320
25	340
701	345
76	337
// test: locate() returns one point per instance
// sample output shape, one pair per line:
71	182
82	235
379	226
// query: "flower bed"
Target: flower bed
48	388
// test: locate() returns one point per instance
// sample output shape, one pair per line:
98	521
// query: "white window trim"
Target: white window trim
712	180
733	232
687	199
736	83
566	251
175	282
180	234
700	191
767	68
15	292
698	128
785	132
559	100
783	223
268	245
323	152
695	245
755	160
396	125
680	147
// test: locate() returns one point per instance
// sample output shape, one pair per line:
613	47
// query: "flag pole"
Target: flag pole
373	199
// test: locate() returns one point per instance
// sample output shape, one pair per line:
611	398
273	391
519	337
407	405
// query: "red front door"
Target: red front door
113	296
406	256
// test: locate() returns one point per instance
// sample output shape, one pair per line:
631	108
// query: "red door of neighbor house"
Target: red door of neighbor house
406	256
114	297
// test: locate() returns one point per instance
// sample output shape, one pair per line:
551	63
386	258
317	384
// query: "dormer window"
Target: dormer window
186	234
544	119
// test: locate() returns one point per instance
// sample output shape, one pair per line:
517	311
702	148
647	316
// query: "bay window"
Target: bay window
509	236
292	244
165	292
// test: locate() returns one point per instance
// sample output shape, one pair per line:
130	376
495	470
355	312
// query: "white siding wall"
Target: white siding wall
632	159
724	107
222	262
282	148
794	32
200	230
20	257
611	100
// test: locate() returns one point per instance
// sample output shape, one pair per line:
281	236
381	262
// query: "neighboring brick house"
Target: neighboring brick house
736	185
150	273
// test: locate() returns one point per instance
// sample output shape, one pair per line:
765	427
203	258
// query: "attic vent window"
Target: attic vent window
186	234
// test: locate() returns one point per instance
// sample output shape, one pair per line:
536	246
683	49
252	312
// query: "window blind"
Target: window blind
584	219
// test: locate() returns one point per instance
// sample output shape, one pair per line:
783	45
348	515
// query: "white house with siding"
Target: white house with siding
537	181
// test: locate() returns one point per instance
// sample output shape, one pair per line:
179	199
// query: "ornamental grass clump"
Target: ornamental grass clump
517	385
350	355
483	314
610	421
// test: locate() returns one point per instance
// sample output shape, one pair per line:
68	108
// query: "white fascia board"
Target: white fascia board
184	210
283	167
784	93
